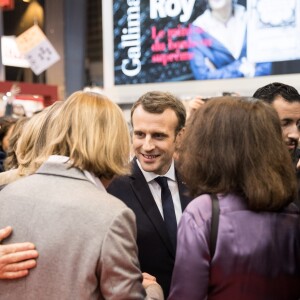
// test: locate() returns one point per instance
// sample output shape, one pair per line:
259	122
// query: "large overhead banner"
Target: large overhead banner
178	40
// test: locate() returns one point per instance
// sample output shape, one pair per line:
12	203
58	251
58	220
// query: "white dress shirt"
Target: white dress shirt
156	189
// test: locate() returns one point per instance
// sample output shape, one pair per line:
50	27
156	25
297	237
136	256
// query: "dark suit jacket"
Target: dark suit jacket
156	254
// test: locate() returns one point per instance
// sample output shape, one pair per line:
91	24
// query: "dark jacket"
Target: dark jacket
156	254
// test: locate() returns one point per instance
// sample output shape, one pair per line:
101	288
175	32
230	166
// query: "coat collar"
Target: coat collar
61	170
59	165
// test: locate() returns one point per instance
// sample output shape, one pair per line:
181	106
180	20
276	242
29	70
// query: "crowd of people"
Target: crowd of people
81	221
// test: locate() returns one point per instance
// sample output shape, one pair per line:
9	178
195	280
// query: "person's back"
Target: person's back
86	238
257	254
72	227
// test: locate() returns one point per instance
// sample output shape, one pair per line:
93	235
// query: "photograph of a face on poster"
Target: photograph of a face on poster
177	40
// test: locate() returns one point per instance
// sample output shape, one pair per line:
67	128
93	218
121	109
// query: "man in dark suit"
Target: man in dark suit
157	120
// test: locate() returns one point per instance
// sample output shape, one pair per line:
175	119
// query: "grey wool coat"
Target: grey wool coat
85	238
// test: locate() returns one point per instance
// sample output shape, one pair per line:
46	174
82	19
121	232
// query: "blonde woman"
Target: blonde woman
85	237
35	138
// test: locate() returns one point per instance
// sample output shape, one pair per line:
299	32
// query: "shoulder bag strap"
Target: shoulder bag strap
214	224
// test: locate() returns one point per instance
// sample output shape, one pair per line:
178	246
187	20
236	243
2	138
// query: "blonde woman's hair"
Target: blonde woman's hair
33	139
11	161
92	132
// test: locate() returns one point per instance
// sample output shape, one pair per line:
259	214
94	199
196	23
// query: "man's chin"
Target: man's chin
147	166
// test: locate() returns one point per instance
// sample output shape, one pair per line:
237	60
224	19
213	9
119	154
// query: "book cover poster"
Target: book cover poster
178	40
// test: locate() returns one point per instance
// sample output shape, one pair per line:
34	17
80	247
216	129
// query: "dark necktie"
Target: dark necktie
168	209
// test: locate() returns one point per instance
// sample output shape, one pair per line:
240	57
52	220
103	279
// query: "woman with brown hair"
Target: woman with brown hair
233	148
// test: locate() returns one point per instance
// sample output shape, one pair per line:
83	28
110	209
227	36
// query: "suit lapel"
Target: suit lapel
144	196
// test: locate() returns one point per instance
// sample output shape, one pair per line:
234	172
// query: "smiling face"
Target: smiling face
154	139
289	114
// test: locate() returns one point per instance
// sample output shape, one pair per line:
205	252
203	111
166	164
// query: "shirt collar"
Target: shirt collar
149	176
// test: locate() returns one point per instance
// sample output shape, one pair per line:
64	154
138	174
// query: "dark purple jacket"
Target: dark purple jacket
257	254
